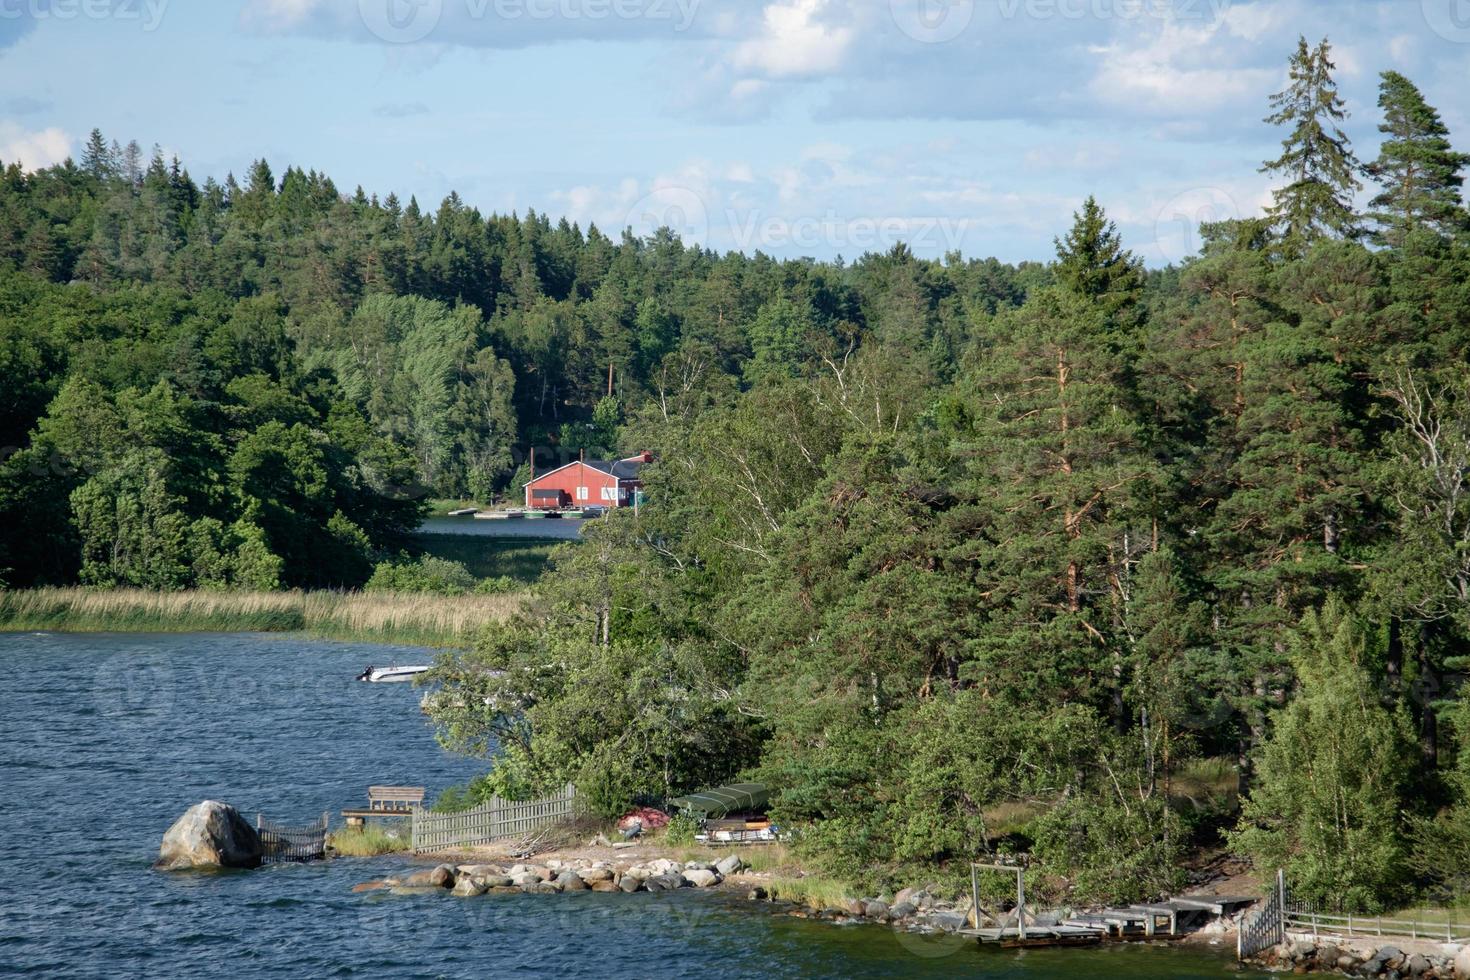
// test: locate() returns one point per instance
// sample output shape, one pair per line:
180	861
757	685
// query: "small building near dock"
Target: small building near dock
588	483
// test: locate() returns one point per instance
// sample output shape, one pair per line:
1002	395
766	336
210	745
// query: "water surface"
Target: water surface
106	739
562	528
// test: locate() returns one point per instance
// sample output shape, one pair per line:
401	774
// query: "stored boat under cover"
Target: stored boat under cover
724	800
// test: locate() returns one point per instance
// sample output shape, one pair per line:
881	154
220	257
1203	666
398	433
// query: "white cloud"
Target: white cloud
796	39
34	150
1170	73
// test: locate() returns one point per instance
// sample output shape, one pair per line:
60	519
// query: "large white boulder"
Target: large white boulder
210	835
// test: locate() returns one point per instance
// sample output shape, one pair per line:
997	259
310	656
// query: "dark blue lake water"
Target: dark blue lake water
105	740
522	528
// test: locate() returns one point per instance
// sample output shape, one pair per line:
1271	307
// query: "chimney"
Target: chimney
533	475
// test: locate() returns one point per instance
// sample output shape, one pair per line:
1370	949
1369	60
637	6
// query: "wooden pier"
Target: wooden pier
1169	919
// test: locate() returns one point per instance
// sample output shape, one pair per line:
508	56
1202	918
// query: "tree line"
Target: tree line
959	556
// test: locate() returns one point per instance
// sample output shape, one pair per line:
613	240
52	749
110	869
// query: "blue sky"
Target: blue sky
797	127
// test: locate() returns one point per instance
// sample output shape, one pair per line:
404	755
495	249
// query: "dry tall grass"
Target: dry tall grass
431	620
383	617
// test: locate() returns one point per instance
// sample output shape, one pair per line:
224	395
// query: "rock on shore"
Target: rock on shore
1433	961
555	877
210	835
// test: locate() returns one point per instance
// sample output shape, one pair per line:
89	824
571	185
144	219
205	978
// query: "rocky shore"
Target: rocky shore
913	910
556	876
1391	960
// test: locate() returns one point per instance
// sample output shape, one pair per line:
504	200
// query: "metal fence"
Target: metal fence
1282	913
281	843
493	821
1266	926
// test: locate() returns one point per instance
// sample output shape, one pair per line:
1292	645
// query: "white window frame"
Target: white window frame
609	495
581	493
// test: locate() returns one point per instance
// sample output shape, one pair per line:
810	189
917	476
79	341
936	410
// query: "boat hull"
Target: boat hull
392	675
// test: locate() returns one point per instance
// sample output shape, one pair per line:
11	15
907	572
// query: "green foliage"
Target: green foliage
959	557
1333	776
427	574
680	831
1316	160
1115	846
1417	167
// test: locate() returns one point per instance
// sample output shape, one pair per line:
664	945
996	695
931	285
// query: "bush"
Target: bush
499	585
681	830
437	576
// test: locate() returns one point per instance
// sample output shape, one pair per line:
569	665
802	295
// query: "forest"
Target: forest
1110	566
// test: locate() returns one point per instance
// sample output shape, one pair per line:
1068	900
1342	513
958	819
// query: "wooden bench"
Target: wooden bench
387	801
396	799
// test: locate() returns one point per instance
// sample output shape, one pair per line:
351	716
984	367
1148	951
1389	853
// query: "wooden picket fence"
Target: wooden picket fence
1304	918
282	843
495	820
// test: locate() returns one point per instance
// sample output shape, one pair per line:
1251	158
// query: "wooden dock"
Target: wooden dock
1143	922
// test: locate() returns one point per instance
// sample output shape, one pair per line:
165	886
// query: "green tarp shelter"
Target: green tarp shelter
724	800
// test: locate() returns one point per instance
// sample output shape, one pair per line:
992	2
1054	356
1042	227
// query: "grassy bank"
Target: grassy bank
523	559
371	841
379	617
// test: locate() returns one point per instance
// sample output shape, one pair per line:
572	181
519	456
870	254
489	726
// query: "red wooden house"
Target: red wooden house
588	483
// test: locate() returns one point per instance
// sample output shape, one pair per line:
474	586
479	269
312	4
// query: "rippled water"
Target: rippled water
105	740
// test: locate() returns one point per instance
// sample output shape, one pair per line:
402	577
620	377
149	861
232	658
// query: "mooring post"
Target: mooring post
975	893
1021	902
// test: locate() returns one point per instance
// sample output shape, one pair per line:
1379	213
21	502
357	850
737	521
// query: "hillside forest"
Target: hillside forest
1110	566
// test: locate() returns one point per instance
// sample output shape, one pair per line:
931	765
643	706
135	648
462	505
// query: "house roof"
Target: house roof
622	469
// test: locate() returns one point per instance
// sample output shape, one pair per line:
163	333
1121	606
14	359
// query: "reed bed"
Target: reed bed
816	893
371	841
380	617
409	618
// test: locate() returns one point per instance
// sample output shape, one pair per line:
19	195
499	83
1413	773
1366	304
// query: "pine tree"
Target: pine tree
1417	168
1317	159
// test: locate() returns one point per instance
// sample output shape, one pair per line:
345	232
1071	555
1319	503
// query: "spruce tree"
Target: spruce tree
1092	262
97	159
1417	167
1317	160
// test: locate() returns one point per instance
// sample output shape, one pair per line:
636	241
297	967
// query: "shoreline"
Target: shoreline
766	885
389	618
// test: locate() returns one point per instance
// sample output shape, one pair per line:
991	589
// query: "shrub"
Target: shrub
499	585
681	830
437	576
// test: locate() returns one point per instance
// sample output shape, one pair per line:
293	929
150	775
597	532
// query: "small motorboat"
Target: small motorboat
391	675
464	512
494	515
